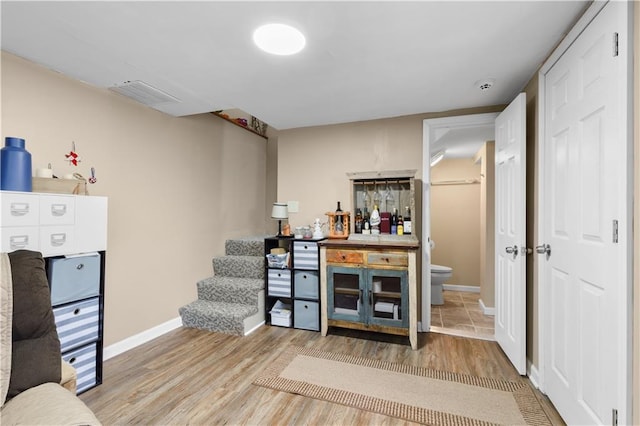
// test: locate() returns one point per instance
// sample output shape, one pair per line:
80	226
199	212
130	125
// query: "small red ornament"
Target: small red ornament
72	156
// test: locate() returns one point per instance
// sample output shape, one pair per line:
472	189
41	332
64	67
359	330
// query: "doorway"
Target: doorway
468	296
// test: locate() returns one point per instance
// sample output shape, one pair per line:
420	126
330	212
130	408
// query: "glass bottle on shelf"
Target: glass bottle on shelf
358	222
400	225
366	225
375	220
394	221
338	227
407	220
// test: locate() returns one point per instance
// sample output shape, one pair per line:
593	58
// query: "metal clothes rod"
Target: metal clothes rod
456	182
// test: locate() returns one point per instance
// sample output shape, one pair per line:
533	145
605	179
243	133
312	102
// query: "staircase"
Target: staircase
232	300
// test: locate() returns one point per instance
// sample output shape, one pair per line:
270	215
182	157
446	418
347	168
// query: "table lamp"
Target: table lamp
279	211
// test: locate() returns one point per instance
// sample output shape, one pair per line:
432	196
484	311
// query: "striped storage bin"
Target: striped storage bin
279	282
77	323
305	255
84	361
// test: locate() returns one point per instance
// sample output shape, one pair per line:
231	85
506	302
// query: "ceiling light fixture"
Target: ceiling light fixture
436	158
279	39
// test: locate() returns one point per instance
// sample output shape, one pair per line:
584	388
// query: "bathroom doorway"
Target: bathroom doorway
459	189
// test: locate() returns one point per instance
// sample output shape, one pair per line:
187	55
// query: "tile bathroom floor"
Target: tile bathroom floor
461	315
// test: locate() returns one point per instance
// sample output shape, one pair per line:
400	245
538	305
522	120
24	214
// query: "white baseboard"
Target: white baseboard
257	326
533	374
140	338
466	288
486	310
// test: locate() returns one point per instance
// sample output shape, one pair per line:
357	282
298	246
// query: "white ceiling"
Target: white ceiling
363	60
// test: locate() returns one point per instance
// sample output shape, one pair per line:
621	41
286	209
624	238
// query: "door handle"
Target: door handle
512	250
544	248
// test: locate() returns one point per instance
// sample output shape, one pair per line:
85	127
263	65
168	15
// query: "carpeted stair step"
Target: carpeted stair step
230	289
223	317
249	246
239	266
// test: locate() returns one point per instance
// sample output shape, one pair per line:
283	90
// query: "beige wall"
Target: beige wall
486	157
455	219
313	161
177	187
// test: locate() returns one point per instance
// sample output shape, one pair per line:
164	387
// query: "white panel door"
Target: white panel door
584	197
510	266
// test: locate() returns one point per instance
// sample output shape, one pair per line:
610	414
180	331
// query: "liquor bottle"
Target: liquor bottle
366	226
358	222
338	227
394	222
375	220
407	220
400	226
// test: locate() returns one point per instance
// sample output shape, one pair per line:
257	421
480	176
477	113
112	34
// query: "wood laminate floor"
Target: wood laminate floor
196	377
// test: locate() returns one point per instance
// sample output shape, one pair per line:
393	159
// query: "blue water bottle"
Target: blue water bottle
15	166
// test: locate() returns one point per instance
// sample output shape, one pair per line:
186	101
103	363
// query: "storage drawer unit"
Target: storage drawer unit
279	283
305	284
306	315
344	256
305	255
20	209
84	360
78	323
388	259
57	210
74	278
20	238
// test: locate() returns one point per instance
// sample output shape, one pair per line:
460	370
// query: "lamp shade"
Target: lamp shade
279	211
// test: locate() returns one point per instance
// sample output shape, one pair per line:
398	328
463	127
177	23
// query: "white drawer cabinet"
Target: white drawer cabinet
52	224
20	209
57	209
71	233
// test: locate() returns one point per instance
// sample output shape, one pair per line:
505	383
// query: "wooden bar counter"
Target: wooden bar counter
369	282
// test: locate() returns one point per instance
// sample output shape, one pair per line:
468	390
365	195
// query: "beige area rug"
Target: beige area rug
407	392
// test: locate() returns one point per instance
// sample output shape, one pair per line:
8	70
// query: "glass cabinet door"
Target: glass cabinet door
344	294
387	297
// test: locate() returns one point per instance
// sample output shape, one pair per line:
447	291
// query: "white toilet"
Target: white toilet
439	274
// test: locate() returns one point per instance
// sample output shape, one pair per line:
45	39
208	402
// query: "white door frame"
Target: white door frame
432	129
625	309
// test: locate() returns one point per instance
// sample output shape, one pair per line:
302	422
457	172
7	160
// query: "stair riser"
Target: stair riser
231	295
212	317
244	248
239	266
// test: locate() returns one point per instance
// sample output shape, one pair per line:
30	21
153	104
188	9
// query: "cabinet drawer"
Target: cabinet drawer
279	282
344	256
20	209
57	210
55	240
390	259
305	284
19	238
305	255
305	315
84	361
74	278
78	323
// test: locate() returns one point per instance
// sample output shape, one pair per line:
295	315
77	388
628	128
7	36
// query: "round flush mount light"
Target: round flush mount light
279	39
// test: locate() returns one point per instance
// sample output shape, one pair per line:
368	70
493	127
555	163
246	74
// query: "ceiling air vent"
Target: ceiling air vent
143	93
